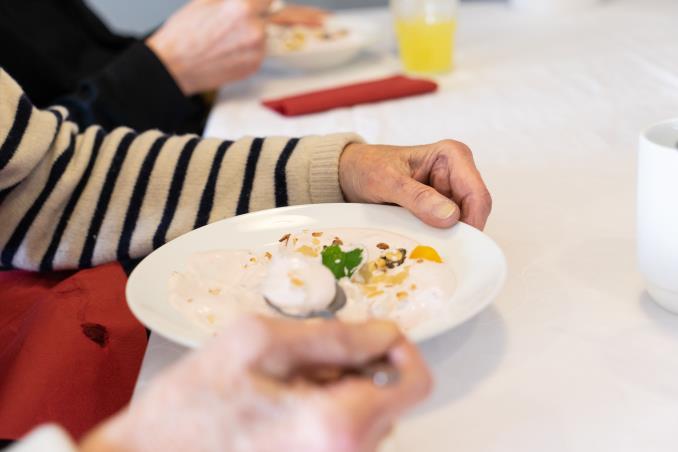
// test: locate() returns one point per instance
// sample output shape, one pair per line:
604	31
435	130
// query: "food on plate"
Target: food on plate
384	275
341	263
298	284
426	252
296	38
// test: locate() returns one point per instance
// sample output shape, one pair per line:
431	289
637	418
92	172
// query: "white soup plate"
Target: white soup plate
478	264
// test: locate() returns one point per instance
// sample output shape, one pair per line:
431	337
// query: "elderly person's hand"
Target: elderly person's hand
208	43
250	390
438	182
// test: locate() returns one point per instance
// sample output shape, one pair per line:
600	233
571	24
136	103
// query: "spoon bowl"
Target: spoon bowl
329	312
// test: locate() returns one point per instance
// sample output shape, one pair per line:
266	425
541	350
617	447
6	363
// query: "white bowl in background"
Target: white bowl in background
318	55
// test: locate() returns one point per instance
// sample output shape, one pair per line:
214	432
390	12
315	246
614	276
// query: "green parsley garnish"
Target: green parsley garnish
341	264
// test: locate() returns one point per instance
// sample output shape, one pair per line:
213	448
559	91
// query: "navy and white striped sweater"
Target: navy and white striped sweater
71	199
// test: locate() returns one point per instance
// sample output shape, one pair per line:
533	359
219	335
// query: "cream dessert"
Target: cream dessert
384	275
298	285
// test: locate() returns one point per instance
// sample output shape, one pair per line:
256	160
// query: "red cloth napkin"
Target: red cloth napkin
70	349
349	95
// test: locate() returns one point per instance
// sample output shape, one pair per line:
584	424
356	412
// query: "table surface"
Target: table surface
573	356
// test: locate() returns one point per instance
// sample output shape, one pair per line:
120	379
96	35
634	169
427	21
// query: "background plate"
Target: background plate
325	55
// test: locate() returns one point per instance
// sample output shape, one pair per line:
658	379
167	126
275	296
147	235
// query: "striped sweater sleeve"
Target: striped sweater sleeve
70	199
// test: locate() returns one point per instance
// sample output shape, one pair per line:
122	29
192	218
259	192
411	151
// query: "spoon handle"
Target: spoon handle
380	372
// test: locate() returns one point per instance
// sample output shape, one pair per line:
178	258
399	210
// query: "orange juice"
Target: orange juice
426	46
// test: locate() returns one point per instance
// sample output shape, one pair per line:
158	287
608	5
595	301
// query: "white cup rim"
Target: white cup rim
646	135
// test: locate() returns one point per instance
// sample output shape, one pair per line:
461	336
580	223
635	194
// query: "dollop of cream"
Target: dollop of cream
298	285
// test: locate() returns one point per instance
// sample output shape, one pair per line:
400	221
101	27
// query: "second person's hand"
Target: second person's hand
247	391
208	43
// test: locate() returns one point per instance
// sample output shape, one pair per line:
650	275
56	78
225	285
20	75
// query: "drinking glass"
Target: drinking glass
425	30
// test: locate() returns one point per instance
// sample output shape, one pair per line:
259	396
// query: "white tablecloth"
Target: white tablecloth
573	356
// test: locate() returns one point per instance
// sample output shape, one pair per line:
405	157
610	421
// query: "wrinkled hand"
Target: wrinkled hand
208	43
247	391
438	182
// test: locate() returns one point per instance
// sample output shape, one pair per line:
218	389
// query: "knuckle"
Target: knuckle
236	10
486	200
420	194
259	32
456	147
255	36
246	8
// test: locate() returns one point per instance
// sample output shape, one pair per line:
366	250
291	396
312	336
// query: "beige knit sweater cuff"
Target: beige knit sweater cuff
324	168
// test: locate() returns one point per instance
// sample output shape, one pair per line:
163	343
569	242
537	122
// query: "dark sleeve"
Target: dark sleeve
135	90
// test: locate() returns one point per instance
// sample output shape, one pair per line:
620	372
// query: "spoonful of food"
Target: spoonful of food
302	288
328	312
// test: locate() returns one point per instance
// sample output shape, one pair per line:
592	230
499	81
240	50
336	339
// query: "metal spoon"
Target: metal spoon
327	313
380	372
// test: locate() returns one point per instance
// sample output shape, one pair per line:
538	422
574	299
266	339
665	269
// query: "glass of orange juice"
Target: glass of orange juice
425	31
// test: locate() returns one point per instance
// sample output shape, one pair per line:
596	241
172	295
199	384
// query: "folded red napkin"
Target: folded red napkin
349	95
70	349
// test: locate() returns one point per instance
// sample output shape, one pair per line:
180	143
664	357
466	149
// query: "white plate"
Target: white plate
478	263
323	55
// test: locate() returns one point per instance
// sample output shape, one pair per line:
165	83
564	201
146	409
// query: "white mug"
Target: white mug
657	220
552	6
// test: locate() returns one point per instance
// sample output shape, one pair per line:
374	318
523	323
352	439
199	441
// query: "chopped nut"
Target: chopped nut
420	261
382	246
215	291
317	234
268	255
413	287
253	259
285	238
401	295
337	241
295	240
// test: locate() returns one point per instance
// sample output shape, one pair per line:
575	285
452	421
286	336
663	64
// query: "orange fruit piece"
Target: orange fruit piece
426	252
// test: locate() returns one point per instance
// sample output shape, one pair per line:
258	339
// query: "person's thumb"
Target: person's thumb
425	202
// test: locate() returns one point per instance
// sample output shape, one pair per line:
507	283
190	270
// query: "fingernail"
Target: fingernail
444	210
